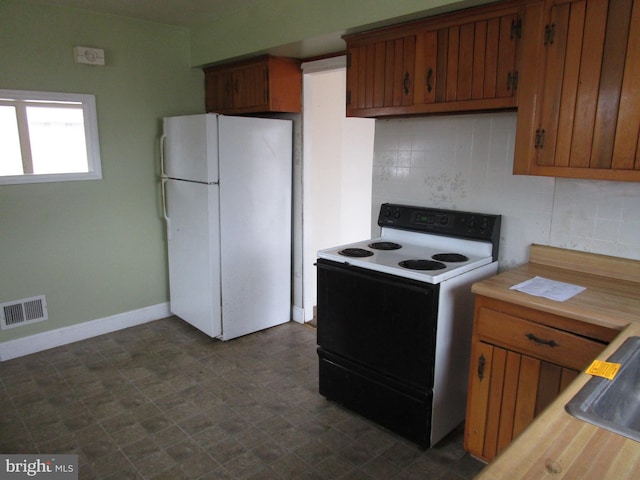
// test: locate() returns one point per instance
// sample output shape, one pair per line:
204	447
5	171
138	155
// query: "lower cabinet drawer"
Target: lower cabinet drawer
539	341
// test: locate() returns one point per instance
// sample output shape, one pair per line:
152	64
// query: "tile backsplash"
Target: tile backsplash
465	162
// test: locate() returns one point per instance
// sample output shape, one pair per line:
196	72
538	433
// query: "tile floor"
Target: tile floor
163	401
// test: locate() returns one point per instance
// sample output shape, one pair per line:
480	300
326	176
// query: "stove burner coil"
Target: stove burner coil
422	265
450	257
385	245
355	252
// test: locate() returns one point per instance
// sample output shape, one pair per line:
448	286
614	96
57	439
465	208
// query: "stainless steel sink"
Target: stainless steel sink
613	404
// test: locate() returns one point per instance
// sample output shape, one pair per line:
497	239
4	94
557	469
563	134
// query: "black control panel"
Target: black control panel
451	223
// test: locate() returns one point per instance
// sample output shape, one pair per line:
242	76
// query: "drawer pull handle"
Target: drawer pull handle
481	363
533	338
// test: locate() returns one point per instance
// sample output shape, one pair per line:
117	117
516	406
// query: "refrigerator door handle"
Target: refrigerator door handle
162	172
164	206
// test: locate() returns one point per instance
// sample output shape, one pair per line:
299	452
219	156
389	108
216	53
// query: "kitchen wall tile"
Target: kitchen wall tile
599	216
630	193
630	236
606	230
465	162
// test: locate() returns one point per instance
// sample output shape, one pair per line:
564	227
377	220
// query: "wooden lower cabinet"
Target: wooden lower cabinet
509	390
518	367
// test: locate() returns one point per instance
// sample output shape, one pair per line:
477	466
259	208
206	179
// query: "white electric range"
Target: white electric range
395	316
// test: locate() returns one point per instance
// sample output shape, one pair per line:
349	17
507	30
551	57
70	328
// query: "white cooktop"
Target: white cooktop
415	246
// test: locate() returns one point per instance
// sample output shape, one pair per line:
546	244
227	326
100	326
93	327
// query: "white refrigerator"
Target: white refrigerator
226	193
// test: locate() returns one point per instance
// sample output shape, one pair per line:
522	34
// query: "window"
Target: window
48	137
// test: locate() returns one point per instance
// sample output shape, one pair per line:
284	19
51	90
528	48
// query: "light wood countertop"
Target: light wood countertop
557	445
611	298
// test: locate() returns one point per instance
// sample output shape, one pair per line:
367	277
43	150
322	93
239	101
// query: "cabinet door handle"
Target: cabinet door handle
539	141
512	81
540	341
429	80
405	83
516	28
549	34
481	364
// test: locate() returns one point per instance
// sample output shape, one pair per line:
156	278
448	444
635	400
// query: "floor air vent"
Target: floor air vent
22	312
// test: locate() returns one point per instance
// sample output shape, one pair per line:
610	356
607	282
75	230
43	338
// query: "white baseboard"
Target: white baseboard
298	314
81	331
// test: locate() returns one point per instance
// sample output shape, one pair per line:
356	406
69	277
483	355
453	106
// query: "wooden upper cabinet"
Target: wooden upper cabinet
463	61
218	90
265	84
472	61
380	74
585	121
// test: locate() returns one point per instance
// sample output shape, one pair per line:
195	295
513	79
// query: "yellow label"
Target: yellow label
603	369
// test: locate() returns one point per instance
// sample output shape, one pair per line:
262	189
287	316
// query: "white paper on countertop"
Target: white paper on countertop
552	289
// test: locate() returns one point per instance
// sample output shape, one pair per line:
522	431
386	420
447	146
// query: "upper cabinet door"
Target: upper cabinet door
587	119
237	89
473	60
218	93
250	85
380	74
626	145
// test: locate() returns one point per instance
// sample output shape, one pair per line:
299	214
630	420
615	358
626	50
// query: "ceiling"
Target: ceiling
185	13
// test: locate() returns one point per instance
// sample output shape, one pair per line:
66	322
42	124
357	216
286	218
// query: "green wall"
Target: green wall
94	248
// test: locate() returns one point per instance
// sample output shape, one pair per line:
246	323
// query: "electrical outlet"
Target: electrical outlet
89	55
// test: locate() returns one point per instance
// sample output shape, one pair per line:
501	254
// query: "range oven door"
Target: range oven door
376	337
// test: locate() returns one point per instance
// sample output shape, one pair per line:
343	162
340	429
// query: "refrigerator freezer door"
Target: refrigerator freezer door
255	215
194	262
190	148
